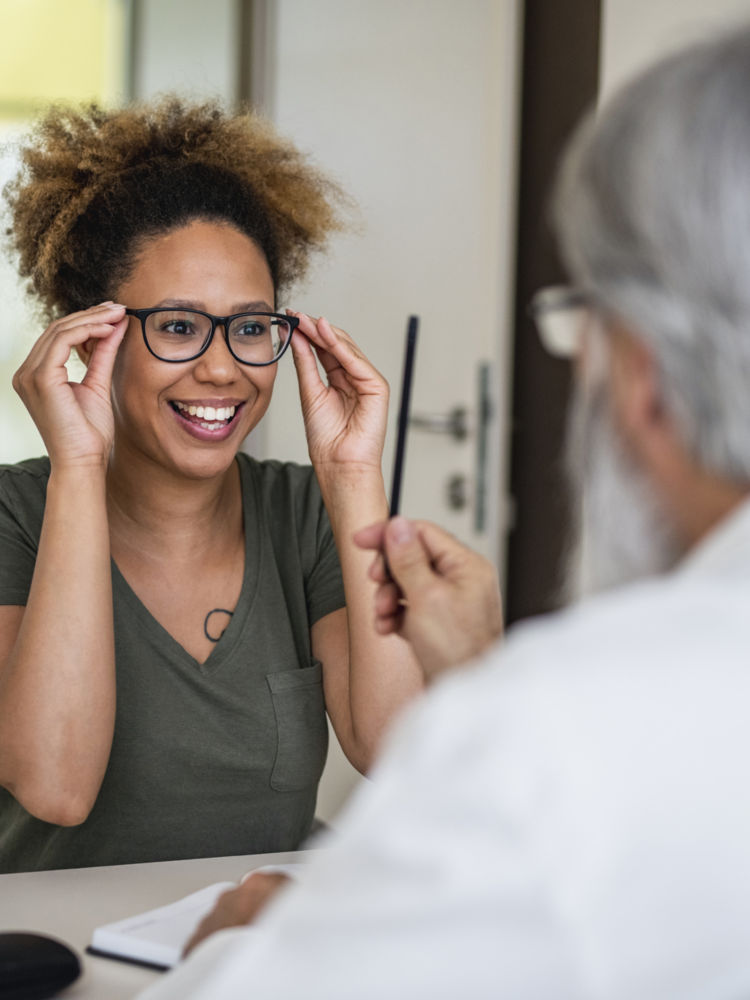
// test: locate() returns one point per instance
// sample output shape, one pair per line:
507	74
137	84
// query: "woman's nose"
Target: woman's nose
216	364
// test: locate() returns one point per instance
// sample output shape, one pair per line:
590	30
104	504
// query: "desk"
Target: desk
69	904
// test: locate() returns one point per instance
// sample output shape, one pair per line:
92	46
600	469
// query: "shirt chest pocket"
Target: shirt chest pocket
301	728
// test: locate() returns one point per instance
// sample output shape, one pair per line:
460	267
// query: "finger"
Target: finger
45	365
311	336
443	548
60	337
306	367
387	601
345	352
378	570
389	625
408	559
337	349
370	537
102	359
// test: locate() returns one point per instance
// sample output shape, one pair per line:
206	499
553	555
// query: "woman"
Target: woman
172	623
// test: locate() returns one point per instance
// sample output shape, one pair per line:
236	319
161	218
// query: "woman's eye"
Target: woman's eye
252	328
180	327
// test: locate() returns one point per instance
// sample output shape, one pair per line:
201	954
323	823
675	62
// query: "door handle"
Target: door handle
455	423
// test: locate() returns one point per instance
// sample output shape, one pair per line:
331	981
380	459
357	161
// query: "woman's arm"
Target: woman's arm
57	679
366	676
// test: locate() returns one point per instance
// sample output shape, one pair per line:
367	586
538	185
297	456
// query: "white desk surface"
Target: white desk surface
69	904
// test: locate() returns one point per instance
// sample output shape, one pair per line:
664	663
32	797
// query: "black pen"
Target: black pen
403	414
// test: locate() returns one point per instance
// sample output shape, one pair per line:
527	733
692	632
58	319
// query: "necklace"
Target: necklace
216	611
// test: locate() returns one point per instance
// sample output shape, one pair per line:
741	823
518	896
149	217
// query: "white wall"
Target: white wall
637	32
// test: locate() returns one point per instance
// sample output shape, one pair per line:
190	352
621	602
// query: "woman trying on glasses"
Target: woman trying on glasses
177	617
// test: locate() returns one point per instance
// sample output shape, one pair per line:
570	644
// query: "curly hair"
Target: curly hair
96	184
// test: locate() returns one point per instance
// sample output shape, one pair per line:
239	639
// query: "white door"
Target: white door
411	105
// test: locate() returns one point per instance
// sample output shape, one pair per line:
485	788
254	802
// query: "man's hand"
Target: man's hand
239	906
437	594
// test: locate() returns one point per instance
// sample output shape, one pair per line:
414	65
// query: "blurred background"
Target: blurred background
443	119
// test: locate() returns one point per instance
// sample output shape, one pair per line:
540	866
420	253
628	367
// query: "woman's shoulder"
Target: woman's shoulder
286	496
278	479
27	477
23	494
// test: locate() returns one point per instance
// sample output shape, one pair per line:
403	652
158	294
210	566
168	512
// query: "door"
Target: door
412	107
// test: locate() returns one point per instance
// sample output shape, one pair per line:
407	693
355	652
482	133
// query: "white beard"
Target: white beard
623	532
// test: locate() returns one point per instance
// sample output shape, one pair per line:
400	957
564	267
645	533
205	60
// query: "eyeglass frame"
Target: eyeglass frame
216	321
553	299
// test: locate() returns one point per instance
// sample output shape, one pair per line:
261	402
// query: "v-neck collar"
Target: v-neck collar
252	573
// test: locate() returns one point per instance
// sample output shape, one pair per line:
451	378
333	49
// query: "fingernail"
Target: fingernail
401	530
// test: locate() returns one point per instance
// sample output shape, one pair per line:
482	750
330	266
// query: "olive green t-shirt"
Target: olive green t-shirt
207	760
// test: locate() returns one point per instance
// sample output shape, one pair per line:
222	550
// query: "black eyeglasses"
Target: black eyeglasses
175	335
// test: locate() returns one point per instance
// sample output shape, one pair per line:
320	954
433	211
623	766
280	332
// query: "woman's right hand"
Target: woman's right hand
74	419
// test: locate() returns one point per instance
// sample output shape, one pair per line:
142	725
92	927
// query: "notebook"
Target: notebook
156	938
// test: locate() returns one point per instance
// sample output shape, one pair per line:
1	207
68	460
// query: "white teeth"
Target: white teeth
208	413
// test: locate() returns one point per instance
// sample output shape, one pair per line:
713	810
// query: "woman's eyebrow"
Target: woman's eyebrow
259	305
256	306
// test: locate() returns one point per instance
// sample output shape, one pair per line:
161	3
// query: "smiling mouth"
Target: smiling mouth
210	418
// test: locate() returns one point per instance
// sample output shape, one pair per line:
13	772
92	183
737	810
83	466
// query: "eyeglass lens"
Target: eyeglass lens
179	334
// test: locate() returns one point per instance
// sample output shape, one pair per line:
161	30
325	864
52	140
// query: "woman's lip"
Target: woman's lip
203	433
216	402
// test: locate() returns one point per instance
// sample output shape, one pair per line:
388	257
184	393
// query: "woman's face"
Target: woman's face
213	267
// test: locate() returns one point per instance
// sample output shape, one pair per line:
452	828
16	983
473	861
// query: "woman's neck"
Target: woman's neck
167	513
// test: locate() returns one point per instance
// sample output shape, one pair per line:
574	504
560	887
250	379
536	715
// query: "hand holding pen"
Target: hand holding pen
439	595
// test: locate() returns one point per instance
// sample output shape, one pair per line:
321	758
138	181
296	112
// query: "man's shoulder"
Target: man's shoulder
633	624
599	671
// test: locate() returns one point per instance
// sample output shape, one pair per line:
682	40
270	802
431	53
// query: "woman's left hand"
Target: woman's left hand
345	419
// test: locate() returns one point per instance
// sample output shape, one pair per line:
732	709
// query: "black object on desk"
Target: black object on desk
33	966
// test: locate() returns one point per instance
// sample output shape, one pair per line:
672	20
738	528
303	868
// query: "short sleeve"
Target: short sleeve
23	491
292	510
324	586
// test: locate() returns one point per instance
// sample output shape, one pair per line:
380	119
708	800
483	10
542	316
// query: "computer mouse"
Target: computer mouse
33	966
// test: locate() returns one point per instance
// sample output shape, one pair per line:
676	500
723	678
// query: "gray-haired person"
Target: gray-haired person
569	817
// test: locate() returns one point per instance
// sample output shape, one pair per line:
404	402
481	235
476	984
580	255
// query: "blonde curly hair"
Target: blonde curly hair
95	184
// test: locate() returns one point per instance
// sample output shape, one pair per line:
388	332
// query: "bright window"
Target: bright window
71	51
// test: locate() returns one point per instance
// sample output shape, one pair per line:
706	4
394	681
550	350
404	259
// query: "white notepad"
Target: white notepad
157	937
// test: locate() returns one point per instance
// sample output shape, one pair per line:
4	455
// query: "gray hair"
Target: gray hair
652	212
